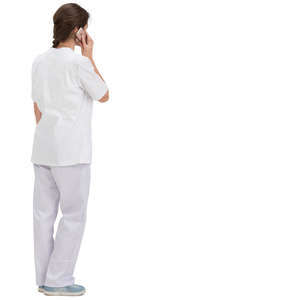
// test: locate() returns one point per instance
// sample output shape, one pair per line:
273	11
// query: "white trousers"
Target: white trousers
67	187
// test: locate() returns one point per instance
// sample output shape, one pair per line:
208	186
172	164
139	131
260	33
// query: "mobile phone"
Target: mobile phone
79	34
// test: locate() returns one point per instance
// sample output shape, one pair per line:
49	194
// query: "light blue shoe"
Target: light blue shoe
41	289
70	290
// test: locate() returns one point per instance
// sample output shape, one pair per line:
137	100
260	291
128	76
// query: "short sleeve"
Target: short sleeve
90	80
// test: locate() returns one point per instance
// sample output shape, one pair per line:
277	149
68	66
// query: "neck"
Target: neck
67	44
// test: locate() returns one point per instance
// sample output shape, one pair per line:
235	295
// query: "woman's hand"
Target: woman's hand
87	45
37	113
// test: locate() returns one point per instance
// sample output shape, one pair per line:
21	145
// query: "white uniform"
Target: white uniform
64	85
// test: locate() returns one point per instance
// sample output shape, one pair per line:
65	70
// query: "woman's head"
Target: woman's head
67	20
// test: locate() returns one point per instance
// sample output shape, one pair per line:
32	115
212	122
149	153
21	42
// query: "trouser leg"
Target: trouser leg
45	207
73	184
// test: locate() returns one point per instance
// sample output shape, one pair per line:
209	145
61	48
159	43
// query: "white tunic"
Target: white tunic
64	85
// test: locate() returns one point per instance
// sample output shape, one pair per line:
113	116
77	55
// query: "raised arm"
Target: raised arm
87	45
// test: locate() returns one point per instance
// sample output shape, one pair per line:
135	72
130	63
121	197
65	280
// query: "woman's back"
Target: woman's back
63	86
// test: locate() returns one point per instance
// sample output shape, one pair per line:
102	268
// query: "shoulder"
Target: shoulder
82	61
38	59
40	56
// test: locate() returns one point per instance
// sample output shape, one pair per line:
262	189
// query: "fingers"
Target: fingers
83	39
78	42
89	39
87	45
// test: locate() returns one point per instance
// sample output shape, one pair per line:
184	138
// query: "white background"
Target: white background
196	169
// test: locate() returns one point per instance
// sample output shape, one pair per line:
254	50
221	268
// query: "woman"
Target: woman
64	85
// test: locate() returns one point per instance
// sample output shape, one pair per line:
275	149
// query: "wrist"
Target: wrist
89	56
91	59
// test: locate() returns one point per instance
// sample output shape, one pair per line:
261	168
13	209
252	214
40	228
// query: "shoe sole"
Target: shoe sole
41	290
63	293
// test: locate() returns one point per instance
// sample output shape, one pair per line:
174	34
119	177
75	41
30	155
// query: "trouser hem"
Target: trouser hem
58	284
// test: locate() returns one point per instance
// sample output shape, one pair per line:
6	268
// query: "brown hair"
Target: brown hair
65	19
